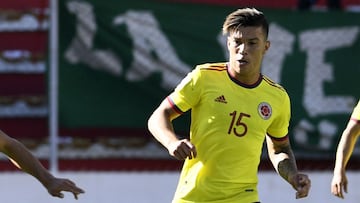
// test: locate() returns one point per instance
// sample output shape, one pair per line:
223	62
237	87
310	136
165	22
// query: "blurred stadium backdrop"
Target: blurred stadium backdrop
118	60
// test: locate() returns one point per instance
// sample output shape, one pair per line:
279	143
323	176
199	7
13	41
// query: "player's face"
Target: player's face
246	48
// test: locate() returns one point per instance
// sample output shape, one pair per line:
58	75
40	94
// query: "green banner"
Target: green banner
119	59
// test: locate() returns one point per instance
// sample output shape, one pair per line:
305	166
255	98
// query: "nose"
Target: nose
242	48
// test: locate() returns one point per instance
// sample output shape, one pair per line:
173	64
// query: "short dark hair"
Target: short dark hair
245	17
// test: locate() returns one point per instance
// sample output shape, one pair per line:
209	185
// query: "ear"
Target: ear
228	42
267	46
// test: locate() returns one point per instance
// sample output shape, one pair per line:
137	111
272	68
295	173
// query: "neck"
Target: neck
246	79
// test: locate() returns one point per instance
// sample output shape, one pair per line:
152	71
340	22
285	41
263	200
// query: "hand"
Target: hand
338	184
301	184
57	185
182	149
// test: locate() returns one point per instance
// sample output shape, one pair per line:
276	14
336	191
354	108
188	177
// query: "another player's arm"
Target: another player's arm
161	127
22	158
25	161
283	160
346	145
344	150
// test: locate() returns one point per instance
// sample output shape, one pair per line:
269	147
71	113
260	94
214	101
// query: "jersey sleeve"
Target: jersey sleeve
279	127
187	93
356	113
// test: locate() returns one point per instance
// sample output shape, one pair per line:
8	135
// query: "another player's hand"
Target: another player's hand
301	184
182	149
338	184
57	185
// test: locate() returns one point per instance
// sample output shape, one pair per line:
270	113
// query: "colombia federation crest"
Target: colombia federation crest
264	110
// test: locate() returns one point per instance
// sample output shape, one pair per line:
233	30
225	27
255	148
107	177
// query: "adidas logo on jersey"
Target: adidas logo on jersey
221	99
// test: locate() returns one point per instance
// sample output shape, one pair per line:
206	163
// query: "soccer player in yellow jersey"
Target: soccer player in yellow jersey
345	148
234	108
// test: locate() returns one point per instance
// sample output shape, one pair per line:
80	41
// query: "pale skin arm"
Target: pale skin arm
25	161
161	127
345	148
283	160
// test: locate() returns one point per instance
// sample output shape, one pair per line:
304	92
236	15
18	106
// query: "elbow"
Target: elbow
10	147
150	123
153	122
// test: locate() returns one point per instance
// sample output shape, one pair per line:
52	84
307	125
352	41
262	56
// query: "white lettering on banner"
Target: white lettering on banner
317	72
326	130
282	43
301	132
14	21
148	38
316	43
81	48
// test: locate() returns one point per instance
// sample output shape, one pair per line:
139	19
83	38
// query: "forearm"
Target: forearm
282	158
24	160
287	167
344	150
284	163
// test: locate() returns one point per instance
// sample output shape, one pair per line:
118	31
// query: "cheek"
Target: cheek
260	51
231	50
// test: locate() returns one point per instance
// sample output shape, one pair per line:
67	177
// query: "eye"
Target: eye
237	41
252	42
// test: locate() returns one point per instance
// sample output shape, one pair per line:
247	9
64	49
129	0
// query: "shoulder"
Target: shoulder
204	73
212	67
356	112
276	91
273	85
209	69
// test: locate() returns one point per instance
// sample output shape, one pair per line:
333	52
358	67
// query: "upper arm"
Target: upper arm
4	141
349	135
277	145
164	113
169	109
354	127
281	156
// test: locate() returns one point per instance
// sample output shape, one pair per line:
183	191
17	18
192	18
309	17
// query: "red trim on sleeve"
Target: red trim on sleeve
173	105
356	120
279	138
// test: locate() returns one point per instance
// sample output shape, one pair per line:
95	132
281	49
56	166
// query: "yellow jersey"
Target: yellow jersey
229	121
356	113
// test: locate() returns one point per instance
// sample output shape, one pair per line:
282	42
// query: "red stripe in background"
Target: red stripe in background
105	164
31	41
243	3
92	132
23	4
22	84
138	164
25	127
283	4
26	4
37	127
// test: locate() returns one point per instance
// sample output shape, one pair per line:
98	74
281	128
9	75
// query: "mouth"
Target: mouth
243	62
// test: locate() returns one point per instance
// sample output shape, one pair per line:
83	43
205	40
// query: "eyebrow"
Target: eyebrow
251	39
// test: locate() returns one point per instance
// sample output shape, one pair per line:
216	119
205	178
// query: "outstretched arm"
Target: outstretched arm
25	160
345	148
161	127
283	160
